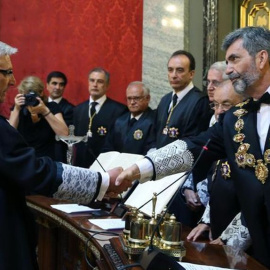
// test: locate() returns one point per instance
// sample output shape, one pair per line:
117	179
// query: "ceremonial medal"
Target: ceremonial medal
241	104
240	159
243	148
138	134
250	160
101	131
239	137
267	156
240	112
243	158
261	171
225	170
239	125
173	132
89	134
165	131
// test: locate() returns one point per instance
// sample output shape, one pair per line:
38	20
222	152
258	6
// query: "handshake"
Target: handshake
121	180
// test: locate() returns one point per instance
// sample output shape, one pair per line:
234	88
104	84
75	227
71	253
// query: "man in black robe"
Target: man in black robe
133	132
94	118
56	84
22	173
242	135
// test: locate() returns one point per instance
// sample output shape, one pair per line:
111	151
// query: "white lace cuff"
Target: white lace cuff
78	184
236	234
206	215
170	159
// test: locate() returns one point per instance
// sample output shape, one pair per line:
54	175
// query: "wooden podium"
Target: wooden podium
64	242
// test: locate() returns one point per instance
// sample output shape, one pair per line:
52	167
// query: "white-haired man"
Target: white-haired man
22	173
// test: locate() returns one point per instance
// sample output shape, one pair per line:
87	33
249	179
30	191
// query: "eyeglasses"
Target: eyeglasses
214	83
223	106
6	72
136	99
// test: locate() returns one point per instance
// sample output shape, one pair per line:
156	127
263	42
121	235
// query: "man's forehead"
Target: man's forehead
57	79
5	62
96	74
234	48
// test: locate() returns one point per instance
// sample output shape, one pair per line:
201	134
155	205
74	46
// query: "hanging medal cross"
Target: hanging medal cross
89	133
91	116
70	140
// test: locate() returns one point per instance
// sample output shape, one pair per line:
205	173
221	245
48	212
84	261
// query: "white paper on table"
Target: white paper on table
109	224
73	208
191	266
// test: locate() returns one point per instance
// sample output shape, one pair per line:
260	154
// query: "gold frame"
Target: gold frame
250	18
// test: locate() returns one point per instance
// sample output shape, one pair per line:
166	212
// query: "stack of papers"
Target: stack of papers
191	266
73	208
109	224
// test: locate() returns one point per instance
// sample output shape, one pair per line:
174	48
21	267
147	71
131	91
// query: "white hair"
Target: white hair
6	49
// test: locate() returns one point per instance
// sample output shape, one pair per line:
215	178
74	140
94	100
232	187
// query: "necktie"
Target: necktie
255	105
93	108
174	100
132	121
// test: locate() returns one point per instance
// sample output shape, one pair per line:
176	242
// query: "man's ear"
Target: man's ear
263	59
192	73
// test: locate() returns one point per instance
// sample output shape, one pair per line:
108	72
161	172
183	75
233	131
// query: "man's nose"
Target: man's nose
12	80
219	110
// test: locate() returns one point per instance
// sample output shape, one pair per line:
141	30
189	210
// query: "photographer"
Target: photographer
37	120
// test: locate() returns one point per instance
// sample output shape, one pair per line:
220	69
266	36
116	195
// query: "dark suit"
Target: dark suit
224	204
86	153
67	112
123	137
190	116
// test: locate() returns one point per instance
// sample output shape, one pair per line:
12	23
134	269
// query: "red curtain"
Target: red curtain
73	36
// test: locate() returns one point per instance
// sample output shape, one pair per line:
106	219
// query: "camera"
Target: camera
30	99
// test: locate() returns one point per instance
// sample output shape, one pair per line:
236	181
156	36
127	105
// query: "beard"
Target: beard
245	80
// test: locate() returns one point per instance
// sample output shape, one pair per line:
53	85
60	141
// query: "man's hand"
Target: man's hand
192	199
128	176
113	189
197	231
217	241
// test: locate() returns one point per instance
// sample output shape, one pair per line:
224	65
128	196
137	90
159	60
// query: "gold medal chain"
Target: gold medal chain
243	157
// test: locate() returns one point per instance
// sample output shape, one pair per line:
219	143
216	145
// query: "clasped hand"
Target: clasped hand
121	180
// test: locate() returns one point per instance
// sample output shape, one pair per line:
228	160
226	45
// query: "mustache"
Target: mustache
233	76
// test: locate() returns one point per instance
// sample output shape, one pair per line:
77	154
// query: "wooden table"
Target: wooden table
64	239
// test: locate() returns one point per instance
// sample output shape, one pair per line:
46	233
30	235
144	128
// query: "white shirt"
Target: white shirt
263	122
136	117
105	182
57	100
99	101
181	94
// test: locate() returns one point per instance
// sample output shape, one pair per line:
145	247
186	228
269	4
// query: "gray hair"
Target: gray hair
101	70
146	90
254	39
6	49
221	67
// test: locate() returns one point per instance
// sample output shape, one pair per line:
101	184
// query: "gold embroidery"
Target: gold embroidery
242	157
